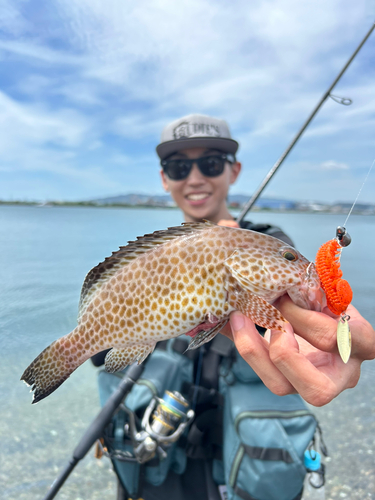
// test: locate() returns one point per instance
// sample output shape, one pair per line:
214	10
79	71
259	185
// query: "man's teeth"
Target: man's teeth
197	196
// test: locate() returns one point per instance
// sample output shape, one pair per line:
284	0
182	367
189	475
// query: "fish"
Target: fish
182	280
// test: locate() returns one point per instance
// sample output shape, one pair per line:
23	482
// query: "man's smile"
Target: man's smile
197	198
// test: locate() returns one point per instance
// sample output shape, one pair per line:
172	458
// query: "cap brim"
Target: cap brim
165	149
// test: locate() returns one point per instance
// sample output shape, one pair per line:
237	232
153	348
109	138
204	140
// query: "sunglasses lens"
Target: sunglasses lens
177	169
212	166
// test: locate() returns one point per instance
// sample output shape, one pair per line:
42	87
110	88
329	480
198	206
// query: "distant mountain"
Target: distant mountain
135	199
277	203
348	206
236	201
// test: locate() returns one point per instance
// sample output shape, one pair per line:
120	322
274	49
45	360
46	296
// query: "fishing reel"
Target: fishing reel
163	423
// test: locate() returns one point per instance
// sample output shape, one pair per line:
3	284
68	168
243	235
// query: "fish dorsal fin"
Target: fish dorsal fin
108	268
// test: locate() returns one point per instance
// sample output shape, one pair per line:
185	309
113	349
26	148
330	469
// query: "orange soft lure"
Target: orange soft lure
338	291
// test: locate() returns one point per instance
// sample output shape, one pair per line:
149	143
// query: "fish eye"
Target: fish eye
288	255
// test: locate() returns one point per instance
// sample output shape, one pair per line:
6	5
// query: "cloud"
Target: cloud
134	126
82	78
36	52
11	20
26	125
334	165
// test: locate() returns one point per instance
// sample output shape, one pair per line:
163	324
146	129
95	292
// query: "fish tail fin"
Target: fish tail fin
54	365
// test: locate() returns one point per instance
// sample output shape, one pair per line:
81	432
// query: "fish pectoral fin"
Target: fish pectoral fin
257	309
118	359
206	335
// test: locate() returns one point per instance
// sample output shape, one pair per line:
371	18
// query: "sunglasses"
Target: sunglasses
210	166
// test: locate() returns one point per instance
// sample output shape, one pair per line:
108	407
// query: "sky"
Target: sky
86	87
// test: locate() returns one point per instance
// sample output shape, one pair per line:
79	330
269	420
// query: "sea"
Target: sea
45	253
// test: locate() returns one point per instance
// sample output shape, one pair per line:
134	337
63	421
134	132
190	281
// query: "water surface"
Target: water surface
45	254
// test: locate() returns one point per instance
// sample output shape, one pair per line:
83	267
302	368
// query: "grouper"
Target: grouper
183	280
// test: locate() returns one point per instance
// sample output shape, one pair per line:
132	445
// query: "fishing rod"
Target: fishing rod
95	431
344	101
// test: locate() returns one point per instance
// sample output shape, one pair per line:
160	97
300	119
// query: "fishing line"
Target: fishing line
359	192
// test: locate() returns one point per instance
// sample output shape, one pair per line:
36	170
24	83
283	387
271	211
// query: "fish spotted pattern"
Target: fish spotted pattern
184	280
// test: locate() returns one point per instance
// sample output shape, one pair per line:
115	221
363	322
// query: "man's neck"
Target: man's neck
223	215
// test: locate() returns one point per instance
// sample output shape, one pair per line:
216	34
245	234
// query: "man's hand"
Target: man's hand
304	359
228	223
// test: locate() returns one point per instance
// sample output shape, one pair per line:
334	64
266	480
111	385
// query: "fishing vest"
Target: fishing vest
252	440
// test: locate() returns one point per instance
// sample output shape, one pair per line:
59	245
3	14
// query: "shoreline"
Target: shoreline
83	204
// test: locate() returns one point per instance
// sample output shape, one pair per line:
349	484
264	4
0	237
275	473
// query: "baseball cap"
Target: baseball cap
195	131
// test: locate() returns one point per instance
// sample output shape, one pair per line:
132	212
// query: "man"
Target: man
198	163
306	361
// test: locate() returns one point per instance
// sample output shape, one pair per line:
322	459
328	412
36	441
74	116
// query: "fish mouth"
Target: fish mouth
309	294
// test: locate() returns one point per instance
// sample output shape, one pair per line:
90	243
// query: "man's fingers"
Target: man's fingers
227	331
254	349
317	383
317	328
320	330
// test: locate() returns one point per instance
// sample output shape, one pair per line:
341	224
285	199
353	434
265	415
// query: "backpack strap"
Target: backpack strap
246	496
220	347
273	454
204	440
